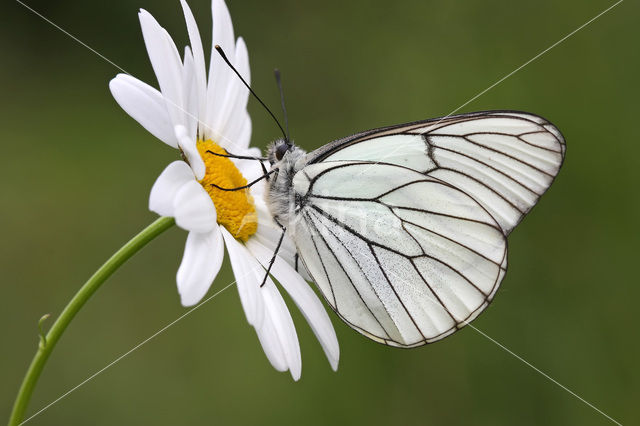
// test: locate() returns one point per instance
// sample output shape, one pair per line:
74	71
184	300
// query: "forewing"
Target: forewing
404	258
505	160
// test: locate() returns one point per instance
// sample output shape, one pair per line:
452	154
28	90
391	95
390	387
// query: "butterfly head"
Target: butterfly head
279	149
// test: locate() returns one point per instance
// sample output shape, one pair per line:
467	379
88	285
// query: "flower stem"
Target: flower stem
48	342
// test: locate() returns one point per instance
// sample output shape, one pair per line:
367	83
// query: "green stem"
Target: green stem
75	304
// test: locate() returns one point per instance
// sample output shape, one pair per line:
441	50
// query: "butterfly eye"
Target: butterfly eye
281	150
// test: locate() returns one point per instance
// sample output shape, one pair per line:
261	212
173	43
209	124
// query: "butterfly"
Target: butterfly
404	228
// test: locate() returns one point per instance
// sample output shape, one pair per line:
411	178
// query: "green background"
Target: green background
76	174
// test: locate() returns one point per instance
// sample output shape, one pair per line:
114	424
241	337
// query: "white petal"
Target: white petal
220	75
244	136
193	208
268	234
190	94
222	25
166	63
234	107
305	298
145	105
271	344
187	144
203	254
164	190
198	57
265	309
247	167
245	267
283	324
250	169
253	151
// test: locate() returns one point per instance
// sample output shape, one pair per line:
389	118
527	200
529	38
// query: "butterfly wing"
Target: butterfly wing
404	228
402	257
504	159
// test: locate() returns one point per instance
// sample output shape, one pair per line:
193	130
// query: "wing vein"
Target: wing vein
491	167
478	181
449	239
349	277
515	135
384	273
426	281
326	274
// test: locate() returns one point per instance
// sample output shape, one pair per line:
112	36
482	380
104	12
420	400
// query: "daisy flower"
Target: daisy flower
202	116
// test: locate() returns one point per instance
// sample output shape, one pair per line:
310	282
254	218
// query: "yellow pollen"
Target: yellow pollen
236	209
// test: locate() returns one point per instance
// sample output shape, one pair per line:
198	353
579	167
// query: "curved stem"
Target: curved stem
75	304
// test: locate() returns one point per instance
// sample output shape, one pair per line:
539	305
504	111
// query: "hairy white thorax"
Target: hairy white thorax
280	195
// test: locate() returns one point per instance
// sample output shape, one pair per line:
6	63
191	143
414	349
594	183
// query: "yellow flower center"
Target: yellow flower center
236	209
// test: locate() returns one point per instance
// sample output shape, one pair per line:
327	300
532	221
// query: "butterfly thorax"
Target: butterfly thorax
280	196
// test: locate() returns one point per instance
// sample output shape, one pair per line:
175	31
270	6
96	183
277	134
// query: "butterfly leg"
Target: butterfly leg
242	157
275	253
265	176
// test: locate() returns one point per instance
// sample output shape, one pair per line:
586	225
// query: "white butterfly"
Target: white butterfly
404	228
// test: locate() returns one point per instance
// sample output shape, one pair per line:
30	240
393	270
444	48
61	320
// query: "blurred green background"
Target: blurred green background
77	171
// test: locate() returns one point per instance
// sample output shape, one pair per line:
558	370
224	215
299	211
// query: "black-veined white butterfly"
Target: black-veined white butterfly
404	228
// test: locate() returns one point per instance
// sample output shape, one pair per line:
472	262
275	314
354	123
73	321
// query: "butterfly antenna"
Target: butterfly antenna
284	109
224	57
